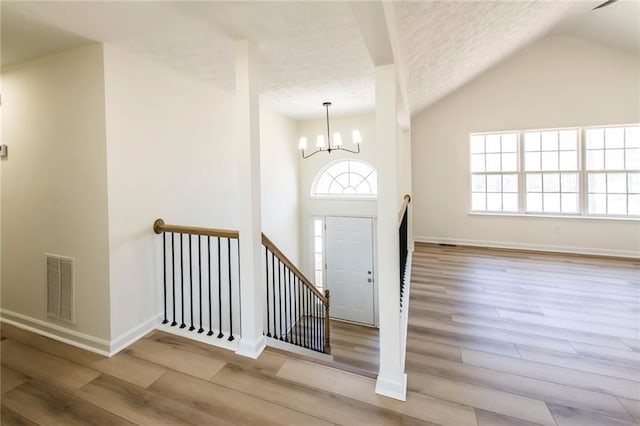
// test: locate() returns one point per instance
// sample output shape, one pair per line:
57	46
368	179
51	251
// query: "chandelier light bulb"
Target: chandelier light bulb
357	137
320	141
337	139
302	144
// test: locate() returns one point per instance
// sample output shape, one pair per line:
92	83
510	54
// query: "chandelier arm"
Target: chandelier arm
304	157
349	150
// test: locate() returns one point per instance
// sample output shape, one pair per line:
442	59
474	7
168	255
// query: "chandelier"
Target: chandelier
331	144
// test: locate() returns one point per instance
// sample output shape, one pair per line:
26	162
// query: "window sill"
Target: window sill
556	216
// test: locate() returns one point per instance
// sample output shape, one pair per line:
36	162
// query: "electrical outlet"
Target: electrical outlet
3	151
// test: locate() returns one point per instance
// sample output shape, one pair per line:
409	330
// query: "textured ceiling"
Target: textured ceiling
445	44
309	51
313	51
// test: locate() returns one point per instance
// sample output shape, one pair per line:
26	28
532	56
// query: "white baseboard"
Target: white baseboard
527	246
56	332
391	388
136	333
251	349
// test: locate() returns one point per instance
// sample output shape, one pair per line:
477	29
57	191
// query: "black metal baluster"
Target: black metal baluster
273	283
319	322
210	301
164	273
280	297
220	334
266	275
200	330
306	319
286	317
173	280
191	283
230	302
183	325
315	321
291	314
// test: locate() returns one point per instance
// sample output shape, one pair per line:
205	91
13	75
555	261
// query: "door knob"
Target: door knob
369	280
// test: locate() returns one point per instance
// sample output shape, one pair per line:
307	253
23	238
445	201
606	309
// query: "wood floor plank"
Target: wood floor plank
361	388
176	358
141	406
45	367
302	397
471	327
566	416
569	324
632	407
228	405
11	418
621	357
488	418
520	385
579	363
10	378
595	382
462	340
46	404
506	403
437	350
122	365
268	363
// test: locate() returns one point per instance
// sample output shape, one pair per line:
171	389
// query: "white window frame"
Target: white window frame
580	166
583	191
606	171
500	173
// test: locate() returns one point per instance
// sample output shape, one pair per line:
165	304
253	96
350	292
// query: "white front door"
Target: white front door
349	245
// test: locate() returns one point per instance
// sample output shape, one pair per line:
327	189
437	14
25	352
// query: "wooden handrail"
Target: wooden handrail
284	259
405	203
159	226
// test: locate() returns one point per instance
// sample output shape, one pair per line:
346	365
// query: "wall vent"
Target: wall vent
60	287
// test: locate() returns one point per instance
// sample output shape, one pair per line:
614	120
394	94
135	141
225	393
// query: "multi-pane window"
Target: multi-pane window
348	178
318	250
613	170
551	171
494	172
592	171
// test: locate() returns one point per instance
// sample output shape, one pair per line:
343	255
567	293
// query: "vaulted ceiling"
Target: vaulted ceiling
314	51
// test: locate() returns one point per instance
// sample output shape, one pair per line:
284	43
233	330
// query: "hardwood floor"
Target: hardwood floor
495	338
542	338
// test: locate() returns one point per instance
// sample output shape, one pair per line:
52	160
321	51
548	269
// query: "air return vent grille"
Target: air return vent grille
60	276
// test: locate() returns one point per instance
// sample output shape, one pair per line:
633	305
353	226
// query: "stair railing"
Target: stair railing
403	235
296	311
201	279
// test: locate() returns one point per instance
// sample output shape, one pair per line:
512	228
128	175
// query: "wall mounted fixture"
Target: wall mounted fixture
330	144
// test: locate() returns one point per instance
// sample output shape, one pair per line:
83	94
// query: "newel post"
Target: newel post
327	325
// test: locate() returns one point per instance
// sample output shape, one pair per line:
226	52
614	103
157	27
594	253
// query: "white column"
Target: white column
247	141
392	381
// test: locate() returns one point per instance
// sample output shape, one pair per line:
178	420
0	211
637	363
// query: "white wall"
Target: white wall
170	155
556	82
54	187
309	168
279	181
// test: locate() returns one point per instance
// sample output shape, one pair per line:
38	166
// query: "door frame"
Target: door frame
310	252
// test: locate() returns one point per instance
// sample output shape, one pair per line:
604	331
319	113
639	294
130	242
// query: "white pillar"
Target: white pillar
392	380
247	141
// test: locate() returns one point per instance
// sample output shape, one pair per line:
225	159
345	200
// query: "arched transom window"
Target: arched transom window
347	178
